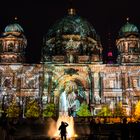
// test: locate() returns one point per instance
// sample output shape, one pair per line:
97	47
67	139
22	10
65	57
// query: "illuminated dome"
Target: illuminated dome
128	29
72	24
13	42
128	43
73	37
13	28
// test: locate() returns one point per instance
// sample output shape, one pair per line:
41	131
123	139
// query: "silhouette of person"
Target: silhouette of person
112	136
136	130
63	131
92	125
124	130
92	129
98	126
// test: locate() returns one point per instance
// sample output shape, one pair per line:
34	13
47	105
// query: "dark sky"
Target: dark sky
37	16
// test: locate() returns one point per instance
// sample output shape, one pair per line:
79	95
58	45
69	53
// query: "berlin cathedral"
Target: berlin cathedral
71	70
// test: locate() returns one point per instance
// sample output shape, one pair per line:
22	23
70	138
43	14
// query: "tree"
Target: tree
13	110
119	111
1	110
32	109
105	111
49	111
137	111
83	110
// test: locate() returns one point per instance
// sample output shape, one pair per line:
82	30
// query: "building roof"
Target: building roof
15	27
128	29
72	24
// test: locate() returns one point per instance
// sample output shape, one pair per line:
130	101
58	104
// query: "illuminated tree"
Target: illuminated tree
137	111
49	111
105	111
83	110
13	110
32	110
119	111
1	110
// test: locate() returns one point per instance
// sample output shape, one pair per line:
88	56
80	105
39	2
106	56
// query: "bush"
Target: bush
137	111
32	110
13	110
105	111
49	111
83	111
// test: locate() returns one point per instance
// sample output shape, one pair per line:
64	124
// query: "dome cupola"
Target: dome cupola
73	40
128	44
14	28
128	29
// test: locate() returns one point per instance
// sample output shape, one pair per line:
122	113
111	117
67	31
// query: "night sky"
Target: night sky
36	18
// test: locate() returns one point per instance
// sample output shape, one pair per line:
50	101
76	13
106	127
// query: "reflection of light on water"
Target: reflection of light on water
54	126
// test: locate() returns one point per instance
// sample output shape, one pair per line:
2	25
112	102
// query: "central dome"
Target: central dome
72	24
72	39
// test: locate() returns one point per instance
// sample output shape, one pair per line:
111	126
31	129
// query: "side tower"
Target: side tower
13	44
128	44
18	80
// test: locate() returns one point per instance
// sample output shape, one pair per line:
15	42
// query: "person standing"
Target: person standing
124	130
63	131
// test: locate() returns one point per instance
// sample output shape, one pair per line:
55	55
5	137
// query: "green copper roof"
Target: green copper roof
128	28
13	28
72	24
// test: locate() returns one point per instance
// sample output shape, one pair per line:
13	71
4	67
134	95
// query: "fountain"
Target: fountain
63	116
53	131
70	128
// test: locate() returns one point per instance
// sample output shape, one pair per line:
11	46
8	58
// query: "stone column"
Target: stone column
101	85
118	80
124	80
92	86
129	80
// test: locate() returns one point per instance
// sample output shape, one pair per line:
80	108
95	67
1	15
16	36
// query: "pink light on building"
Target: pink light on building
109	54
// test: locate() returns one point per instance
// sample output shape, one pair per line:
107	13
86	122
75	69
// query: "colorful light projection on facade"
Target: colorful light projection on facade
67	88
72	71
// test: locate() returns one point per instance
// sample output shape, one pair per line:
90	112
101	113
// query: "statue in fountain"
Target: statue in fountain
69	101
63	104
74	104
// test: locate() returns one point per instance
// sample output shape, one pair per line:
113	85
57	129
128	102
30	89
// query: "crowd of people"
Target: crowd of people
126	130
98	130
7	129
